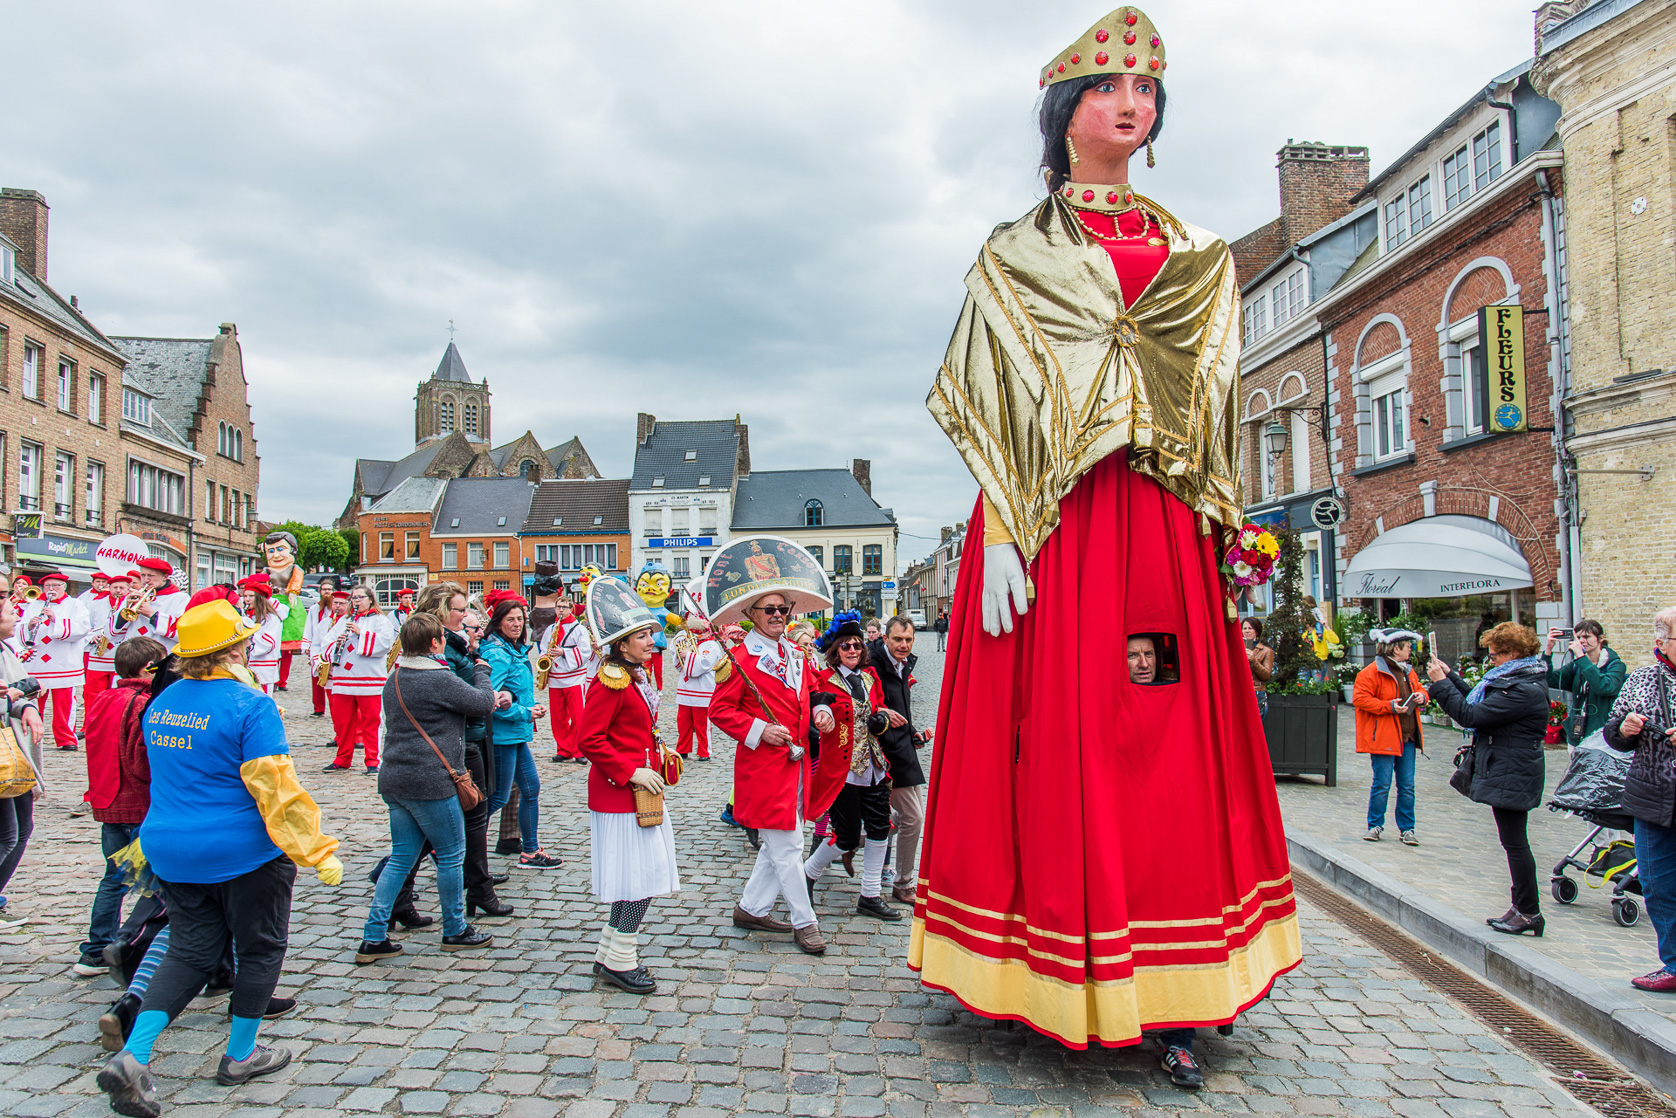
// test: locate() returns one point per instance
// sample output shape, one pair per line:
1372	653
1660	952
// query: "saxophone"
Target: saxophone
544	663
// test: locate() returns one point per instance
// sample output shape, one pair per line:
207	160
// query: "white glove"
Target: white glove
1003	574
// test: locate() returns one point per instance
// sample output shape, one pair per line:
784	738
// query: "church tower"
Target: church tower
450	402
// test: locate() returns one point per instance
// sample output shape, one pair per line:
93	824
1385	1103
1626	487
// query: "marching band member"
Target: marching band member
404	609
574	664
55	631
697	656
256	595
355	648
155	605
319	620
97	664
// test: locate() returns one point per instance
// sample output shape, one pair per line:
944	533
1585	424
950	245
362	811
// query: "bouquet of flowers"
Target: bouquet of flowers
1556	723
1250	562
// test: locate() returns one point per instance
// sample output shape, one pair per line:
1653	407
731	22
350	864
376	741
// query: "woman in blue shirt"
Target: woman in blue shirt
227	828
513	677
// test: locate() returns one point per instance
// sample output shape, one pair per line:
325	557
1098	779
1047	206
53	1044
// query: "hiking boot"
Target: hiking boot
809	940
877	909
128	1083
117	1022
1373	834
261	1061
371	952
743	919
1183	1068
1409	838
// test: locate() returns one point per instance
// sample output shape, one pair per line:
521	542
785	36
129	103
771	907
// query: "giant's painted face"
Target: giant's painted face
279	554
590	572
653	587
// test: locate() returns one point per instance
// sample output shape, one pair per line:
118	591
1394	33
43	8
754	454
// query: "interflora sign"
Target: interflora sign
1501	338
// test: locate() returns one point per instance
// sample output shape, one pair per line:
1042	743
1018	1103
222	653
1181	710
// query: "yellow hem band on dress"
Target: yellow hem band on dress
1107	1012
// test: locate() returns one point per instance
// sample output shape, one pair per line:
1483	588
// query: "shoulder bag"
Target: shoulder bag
17	772
464	787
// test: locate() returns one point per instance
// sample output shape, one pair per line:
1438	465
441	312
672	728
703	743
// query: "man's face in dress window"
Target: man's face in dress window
1143	660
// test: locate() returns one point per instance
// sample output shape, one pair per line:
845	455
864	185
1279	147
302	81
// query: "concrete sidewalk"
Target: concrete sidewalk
1441	892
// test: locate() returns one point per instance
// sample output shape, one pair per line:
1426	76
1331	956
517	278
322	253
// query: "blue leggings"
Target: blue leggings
516	762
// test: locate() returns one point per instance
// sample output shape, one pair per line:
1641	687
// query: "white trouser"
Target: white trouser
779	873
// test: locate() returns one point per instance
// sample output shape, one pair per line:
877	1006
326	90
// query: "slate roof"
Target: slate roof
415	494
560	455
664	454
172	372
379	476
451	366
777	498
480	502
577	502
38	297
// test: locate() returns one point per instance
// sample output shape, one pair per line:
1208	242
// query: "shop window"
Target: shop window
1154	659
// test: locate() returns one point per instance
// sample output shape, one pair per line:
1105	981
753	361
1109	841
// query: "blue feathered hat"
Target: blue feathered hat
846	624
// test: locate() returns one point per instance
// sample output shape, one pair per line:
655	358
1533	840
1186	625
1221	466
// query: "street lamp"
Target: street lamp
1275	438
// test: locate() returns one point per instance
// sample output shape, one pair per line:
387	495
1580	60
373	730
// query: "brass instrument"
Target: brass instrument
544	662
136	603
102	647
30	593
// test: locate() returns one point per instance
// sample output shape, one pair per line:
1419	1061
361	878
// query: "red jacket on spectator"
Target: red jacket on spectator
118	774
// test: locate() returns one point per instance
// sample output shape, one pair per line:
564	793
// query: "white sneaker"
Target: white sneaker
88	970
12	923
1373	834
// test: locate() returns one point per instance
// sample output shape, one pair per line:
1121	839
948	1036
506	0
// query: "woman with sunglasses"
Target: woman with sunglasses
852	779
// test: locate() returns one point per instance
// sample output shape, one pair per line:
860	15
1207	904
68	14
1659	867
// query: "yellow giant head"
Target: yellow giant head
590	571
653	585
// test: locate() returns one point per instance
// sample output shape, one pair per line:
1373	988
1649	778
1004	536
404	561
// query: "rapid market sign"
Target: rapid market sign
1501	338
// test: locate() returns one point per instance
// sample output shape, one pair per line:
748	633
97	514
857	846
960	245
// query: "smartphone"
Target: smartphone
1431	641
1564	636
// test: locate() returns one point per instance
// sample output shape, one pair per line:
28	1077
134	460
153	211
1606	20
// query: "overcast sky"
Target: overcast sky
689	209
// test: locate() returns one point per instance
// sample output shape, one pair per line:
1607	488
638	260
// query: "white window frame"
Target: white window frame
136	405
1289	296
1487	162
1386	382
1256	315
707	520
63	485
31	383
476	555
93	504
66	385
450	556
1300	451
503	555
680	520
29	460
96	398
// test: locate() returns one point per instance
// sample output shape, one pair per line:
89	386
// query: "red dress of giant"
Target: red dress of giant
1102	857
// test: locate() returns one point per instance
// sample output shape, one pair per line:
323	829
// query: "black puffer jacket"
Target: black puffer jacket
1650	787
1507	727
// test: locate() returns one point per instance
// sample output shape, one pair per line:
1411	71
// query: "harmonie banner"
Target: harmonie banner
1501	337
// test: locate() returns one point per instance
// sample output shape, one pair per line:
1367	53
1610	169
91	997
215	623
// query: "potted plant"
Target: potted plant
1302	723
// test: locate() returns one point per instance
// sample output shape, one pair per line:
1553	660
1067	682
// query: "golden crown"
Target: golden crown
1123	42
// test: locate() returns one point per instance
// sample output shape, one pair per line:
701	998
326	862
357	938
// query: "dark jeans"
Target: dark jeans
857	807
1655	863
479	887
252	911
17	823
106	918
1521	864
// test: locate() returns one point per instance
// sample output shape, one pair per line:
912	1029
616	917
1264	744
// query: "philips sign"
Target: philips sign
681	541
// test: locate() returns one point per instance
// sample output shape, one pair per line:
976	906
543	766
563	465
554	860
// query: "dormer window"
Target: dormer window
657	483
136	406
692	456
1472	167
1409	213
704	479
8	264
814	514
598	520
558	522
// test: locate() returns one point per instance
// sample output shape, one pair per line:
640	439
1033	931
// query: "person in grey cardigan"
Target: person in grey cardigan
418	787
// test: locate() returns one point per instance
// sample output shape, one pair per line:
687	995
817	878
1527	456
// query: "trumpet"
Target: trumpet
30	593
136	601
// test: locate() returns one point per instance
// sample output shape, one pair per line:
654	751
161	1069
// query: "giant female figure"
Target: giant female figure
1103	849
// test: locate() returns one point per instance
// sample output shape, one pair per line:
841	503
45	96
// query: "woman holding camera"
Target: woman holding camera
1507	712
631	863
1644	720
1388	698
1593	676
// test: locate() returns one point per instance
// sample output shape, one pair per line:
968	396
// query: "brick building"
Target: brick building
460	529
1452	491
199	400
1611	66
574	522
1284	268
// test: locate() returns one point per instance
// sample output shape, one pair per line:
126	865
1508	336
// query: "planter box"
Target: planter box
1303	735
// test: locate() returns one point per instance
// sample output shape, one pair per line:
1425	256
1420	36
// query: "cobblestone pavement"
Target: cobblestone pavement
1460	862
743	1024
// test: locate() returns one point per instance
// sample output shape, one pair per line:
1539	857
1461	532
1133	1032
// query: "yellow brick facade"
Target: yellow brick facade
1613	72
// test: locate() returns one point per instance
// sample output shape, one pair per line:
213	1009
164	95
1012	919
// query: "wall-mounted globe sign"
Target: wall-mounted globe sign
1501	339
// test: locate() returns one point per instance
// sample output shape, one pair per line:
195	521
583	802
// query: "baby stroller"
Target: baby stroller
1592	789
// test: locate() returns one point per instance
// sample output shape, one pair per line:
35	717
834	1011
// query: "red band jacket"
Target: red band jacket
769	788
617	739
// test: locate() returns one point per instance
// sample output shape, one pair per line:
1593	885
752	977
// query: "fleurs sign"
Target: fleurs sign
1501	339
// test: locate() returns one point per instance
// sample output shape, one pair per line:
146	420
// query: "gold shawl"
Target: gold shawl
1048	372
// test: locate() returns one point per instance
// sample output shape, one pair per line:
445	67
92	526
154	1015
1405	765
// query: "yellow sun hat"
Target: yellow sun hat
1125	41
210	628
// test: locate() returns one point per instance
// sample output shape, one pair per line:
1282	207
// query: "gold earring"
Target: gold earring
1071	150
1150	161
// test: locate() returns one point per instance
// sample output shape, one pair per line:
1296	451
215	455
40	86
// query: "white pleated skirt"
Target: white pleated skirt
632	862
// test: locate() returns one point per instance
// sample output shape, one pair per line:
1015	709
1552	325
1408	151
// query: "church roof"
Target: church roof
451	367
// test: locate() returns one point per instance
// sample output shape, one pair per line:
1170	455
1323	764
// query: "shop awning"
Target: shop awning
1438	557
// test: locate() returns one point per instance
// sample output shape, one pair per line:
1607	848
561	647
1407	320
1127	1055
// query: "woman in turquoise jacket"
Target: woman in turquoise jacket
513	677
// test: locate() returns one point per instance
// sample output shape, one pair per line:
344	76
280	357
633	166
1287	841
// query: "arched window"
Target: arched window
526	469
445	418
238	444
221	438
813	514
471	418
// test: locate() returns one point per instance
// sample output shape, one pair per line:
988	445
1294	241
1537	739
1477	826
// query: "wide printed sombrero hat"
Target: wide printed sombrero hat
615	610
752	566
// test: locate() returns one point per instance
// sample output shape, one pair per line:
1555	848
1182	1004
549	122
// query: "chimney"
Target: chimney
643	427
862	468
947	532
742	465
23	218
1316	185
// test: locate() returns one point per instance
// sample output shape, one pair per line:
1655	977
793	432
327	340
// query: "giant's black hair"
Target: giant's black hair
1059	104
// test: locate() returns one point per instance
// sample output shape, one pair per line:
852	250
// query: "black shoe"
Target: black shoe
467	940
753	838
809	888
281	687
410	919
499	878
334	767
371	952
636	981
118	1022
372	769
277	1008
874	907
1519	923
493	907
318	714
509	846
1184	1070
